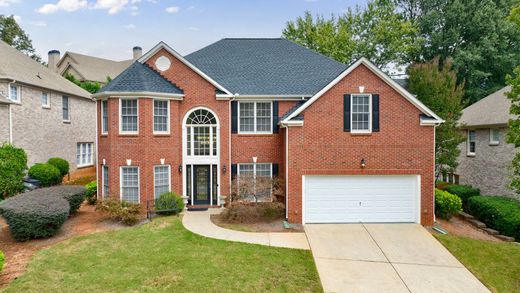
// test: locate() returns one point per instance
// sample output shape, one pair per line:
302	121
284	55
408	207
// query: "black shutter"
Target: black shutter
275	170
234	117
233	171
346	112
375	113
276	128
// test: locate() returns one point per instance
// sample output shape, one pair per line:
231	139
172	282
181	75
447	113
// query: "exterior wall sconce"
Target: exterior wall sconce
180	168
363	164
104	162
162	161
361	89
254	159
128	162
224	169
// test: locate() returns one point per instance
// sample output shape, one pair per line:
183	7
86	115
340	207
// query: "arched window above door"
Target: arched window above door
201	117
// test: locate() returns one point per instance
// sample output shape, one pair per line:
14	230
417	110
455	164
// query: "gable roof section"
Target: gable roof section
412	99
163	45
491	110
262	67
139	79
14	65
93	68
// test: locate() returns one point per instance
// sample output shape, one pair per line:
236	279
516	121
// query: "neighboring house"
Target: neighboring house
89	68
485	156
43	113
350	143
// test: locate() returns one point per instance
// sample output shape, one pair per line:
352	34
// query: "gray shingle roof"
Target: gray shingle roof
266	67
292	110
141	78
491	110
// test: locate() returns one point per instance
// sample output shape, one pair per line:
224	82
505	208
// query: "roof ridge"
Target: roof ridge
260	38
100	58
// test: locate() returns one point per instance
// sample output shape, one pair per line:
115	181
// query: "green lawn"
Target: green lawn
163	256
496	264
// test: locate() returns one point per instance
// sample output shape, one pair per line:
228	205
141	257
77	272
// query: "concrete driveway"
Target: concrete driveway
386	258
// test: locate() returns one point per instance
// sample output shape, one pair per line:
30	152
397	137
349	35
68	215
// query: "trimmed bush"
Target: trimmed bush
125	212
34	215
446	204
91	194
61	164
246	212
464	192
13	163
499	213
170	201
2	259
73	194
47	174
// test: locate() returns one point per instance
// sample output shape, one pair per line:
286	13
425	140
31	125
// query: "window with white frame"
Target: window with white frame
104	117
105	186
361	113
129	116
201	134
471	142
130	184
161	175
45	100
494	136
255	117
14	93
84	154
65	108
161	116
255	179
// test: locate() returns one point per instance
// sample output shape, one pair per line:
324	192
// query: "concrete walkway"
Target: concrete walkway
199	222
386	258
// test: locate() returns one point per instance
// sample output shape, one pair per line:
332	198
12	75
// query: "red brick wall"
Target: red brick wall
401	146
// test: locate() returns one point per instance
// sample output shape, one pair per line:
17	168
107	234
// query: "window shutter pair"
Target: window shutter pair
234	117
375	113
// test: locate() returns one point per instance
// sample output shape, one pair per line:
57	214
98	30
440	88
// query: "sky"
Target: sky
111	28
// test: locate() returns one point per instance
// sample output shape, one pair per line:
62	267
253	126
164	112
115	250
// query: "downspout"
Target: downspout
97	151
434	177
229	143
10	113
286	173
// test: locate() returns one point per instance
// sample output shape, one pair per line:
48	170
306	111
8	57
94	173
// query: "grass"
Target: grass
163	256
496	264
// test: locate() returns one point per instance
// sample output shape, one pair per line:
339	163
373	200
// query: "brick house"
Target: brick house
350	143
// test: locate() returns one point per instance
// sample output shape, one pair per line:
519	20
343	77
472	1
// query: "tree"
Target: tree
513	133
250	188
435	84
89	86
378	33
477	35
14	35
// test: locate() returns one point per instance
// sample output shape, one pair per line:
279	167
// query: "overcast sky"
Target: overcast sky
110	28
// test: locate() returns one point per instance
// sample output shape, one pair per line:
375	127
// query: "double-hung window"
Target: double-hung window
161	116
84	154
161	178
361	113
65	108
14	93
255	117
45	100
130	184
471	142
255	179
494	136
105	186
129	116
104	117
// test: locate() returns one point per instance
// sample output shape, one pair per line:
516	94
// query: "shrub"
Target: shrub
499	213
34	215
169	201
61	164
47	174
13	163
73	194
2	259
125	212
91	194
441	185
243	212
446	204
464	192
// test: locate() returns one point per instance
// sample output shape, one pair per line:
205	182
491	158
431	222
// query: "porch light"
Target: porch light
180	168
224	169
363	163
128	162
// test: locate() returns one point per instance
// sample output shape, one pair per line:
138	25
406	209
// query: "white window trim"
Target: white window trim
255	118
68	109
138	182
469	153
254	168
369	113
103	190
491	141
88	164
18	93
121	132
104	131
169	178
153	116
48	105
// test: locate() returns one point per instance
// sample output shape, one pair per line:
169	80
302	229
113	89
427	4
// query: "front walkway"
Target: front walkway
199	222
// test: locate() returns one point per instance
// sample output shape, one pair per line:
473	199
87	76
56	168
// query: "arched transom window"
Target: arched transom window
201	134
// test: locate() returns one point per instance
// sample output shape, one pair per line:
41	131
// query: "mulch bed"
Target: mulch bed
269	226
460	227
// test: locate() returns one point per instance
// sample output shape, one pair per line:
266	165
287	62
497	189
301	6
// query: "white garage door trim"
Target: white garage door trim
417	192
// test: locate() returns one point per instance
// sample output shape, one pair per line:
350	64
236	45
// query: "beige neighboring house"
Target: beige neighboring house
45	114
485	156
89	68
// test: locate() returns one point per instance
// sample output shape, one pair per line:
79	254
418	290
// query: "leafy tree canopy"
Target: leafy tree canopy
14	35
513	133
89	86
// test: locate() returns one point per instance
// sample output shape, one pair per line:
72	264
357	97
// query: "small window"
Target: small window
104	117
105	190
494	136
14	93
129	116
255	117
130	184
65	108
471	142
161	177
84	154
361	113
45	100
161	116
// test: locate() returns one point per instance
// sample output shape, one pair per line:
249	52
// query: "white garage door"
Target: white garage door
368	199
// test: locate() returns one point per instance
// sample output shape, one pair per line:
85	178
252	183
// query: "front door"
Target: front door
201	184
